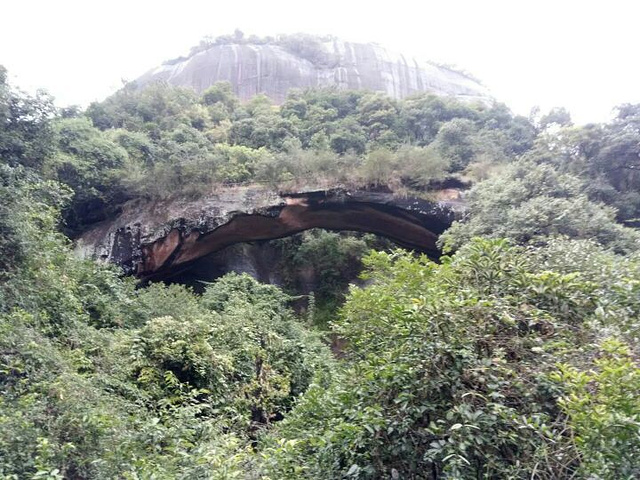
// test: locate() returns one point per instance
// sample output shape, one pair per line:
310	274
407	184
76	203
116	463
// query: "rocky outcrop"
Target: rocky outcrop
159	239
273	70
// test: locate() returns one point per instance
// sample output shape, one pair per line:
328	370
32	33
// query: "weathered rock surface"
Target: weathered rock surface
272	70
159	239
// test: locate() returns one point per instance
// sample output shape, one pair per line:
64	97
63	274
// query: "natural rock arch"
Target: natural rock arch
158	239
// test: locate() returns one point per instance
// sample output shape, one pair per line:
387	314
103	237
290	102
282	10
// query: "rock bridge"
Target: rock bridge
156	240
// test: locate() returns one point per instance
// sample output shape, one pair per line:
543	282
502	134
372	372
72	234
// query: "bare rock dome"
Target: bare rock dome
274	66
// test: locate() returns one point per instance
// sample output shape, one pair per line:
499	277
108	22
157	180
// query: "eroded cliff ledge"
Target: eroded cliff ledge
159	239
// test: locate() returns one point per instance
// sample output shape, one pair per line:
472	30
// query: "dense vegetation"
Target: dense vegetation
163	141
515	357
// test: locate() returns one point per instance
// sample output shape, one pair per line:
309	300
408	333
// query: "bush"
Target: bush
448	374
603	405
529	203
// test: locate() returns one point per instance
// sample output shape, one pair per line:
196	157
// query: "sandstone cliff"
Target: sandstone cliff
160	239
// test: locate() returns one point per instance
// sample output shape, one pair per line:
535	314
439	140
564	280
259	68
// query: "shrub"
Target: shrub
603	405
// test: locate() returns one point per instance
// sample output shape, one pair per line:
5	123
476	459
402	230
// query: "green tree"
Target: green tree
423	115
89	163
447	373
25	125
603	407
528	203
455	142
221	92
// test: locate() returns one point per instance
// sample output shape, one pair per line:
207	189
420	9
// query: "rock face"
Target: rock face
274	69
157	240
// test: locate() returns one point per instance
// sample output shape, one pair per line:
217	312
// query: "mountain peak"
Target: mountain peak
272	66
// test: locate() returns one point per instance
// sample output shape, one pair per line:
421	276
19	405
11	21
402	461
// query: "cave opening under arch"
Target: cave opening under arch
407	223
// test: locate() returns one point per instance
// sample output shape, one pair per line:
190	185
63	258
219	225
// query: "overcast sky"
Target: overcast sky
582	55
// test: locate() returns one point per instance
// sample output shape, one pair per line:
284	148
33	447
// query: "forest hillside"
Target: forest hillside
514	355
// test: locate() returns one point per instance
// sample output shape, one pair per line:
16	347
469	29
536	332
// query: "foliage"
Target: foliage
153	399
530	202
177	143
88	163
604	412
448	374
606	156
323	264
98	380
25	125
308	47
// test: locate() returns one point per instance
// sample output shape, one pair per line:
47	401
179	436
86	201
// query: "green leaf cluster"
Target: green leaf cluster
452	373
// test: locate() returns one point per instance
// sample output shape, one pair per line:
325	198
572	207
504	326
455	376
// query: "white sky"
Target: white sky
582	55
